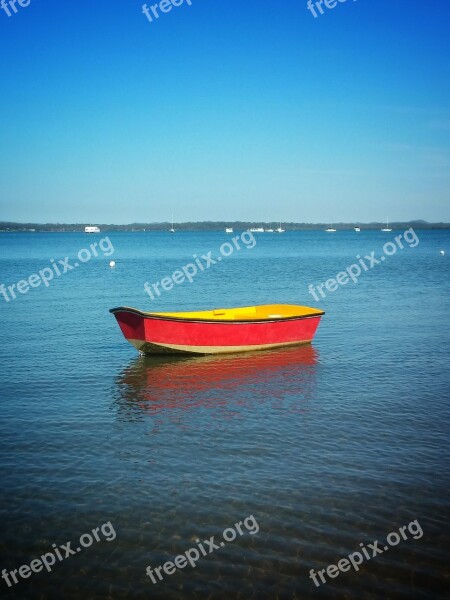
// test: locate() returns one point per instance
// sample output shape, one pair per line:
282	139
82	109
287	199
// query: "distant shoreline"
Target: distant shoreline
13	227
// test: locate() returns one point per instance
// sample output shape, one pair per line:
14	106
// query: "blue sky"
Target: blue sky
225	110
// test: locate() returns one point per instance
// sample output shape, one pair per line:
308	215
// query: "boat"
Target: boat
268	230
387	228
172	230
257	229
357	229
330	229
92	229
219	331
228	230
279	229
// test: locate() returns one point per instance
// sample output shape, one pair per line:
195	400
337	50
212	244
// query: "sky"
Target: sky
225	110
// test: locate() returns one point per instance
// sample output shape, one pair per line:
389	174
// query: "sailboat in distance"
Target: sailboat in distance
279	229
387	228
172	230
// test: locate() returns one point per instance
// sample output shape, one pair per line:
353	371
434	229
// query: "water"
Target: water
327	446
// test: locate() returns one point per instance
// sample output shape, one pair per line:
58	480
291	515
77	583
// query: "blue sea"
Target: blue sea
313	453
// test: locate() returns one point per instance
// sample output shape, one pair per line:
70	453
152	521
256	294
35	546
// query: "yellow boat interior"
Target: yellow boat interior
264	312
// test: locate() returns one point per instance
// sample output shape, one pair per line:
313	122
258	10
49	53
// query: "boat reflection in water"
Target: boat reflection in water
156	384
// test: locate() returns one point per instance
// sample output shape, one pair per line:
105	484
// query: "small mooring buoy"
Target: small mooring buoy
112	264
442	252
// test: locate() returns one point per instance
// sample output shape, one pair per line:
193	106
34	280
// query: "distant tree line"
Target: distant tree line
211	226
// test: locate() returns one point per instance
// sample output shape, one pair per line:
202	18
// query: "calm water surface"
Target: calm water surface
327	446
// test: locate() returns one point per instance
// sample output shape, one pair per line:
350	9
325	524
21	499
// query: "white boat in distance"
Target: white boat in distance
172	230
92	229
357	228
228	230
268	230
387	228
330	229
280	229
257	229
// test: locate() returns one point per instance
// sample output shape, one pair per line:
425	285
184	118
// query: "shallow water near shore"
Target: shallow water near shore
327	446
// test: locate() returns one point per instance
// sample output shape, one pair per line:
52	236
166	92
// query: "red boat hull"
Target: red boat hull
156	335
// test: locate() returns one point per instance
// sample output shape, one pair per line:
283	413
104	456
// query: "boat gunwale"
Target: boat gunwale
156	316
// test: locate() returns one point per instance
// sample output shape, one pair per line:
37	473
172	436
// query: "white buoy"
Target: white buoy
442	252
112	264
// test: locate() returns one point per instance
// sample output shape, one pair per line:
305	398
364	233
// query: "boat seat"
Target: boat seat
248	311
